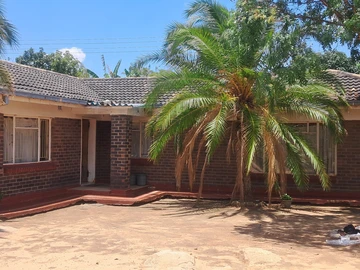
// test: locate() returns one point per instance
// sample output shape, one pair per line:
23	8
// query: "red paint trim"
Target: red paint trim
27	197
66	200
10	169
141	162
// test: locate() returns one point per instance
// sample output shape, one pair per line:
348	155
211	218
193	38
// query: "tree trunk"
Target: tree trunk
248	189
240	152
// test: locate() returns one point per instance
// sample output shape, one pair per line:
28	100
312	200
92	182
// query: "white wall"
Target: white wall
92	150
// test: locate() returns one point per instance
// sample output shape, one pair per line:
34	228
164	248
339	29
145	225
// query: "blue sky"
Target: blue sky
119	29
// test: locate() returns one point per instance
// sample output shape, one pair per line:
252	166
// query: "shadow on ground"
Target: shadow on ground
305	225
186	207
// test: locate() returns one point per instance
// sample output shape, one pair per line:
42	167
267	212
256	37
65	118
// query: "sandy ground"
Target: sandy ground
172	234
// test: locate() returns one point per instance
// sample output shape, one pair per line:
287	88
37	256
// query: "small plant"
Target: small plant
286	197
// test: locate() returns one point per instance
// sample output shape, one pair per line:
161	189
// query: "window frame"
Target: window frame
317	148
38	139
142	133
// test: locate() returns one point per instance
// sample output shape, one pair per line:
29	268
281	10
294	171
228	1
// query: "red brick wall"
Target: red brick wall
63	170
103	149
121	126
348	160
220	175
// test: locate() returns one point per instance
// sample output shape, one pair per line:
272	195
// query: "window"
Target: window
140	142
318	137
26	140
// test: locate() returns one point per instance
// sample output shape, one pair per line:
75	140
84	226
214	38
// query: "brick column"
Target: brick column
121	128
1	143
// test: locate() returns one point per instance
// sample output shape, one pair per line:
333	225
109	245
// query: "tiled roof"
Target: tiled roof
44	84
122	91
350	83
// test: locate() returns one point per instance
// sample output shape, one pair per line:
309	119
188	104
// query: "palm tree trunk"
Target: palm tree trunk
248	190
240	151
199	195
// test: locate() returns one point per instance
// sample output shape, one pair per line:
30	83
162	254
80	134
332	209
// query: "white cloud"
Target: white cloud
76	52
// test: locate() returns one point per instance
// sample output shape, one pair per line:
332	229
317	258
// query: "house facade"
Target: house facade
58	132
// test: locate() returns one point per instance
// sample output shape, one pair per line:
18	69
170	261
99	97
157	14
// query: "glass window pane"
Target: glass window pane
327	149
300	127
258	161
145	142
44	140
26	142
135	147
136	126
8	139
312	127
27	122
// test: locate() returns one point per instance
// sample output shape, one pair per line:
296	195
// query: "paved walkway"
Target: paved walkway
66	200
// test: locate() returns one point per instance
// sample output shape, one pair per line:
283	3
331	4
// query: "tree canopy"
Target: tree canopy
8	37
64	63
138	69
234	79
339	61
328	21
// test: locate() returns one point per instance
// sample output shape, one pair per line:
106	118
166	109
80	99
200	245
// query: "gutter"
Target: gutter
51	98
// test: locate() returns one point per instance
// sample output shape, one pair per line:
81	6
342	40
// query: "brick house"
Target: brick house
58	131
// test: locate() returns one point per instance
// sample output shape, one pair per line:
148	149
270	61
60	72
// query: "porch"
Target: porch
111	144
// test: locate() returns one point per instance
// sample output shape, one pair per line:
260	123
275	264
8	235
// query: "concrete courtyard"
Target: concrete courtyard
172	234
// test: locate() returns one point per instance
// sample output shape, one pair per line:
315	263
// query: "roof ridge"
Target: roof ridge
336	71
41	69
119	78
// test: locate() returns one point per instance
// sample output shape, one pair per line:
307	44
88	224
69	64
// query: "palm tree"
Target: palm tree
108	73
8	36
138	69
235	81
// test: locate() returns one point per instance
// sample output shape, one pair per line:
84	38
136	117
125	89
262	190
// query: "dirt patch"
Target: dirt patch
172	234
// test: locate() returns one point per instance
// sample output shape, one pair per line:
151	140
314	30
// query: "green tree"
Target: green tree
339	61
58	61
138	69
234	80
328	21
8	36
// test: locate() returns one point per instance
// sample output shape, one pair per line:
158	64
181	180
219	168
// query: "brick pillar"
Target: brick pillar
1	143
121	127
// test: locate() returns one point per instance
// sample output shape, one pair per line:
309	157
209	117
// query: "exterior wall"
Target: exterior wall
348	160
103	150
63	169
220	175
121	128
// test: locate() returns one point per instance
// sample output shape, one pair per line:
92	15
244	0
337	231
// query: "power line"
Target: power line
90	48
101	52
78	43
123	38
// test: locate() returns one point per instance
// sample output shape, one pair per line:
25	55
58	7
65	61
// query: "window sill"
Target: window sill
141	162
29	167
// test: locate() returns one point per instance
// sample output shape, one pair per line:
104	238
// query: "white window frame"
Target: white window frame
141	129
317	148
39	141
